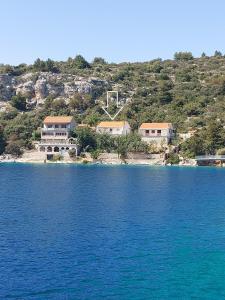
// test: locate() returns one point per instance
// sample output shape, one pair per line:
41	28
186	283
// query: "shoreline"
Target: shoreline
96	162
35	157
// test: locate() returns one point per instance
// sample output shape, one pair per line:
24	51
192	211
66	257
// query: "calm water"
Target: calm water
91	232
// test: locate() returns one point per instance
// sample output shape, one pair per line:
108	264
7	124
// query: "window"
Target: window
110	129
153	131
56	126
49	126
47	133
146	131
159	132
63	126
60	134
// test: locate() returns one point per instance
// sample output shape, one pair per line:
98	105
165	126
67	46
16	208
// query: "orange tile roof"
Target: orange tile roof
58	120
111	124
156	125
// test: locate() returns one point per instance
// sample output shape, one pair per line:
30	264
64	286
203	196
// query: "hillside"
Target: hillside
187	91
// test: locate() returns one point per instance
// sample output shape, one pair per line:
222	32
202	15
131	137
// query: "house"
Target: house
56	136
114	127
157	132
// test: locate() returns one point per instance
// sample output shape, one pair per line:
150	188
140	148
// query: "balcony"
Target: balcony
55	130
47	141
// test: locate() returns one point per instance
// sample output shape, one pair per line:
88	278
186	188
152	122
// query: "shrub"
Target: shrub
99	61
72	153
57	157
95	154
183	56
80	63
19	102
173	159
14	149
221	151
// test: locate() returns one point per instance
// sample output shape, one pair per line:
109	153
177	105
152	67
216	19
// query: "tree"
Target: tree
76	102
203	54
45	66
193	146
39	65
95	154
59	106
206	141
80	63
14	149
7	69
218	53
99	61
50	66
92	119
173	159
2	140
86	139
19	102
121	147
9	114
214	137
135	143
183	56
21	128
105	142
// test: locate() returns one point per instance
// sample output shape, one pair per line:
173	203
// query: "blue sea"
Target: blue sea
106	232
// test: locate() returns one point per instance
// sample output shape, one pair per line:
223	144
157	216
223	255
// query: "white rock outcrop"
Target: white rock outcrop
36	87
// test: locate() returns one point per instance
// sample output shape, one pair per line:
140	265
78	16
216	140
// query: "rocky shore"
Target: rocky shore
104	159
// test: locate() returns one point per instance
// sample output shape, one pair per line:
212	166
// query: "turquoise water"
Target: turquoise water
92	232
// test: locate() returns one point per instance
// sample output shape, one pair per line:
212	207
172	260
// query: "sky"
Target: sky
117	30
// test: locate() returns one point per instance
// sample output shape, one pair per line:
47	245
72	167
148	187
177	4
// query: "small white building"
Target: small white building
114	127
55	136
157	132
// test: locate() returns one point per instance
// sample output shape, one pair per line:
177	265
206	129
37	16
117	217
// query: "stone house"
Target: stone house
115	128
159	133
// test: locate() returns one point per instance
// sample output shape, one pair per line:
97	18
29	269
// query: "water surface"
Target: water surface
92	232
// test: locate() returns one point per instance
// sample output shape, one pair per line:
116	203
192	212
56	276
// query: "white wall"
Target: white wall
115	131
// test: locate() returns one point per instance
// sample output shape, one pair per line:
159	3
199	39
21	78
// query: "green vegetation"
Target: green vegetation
206	141
57	157
14	148
187	91
221	151
95	143
173	159
2	141
19	102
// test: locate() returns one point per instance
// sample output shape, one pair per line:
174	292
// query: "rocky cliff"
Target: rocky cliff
36	87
